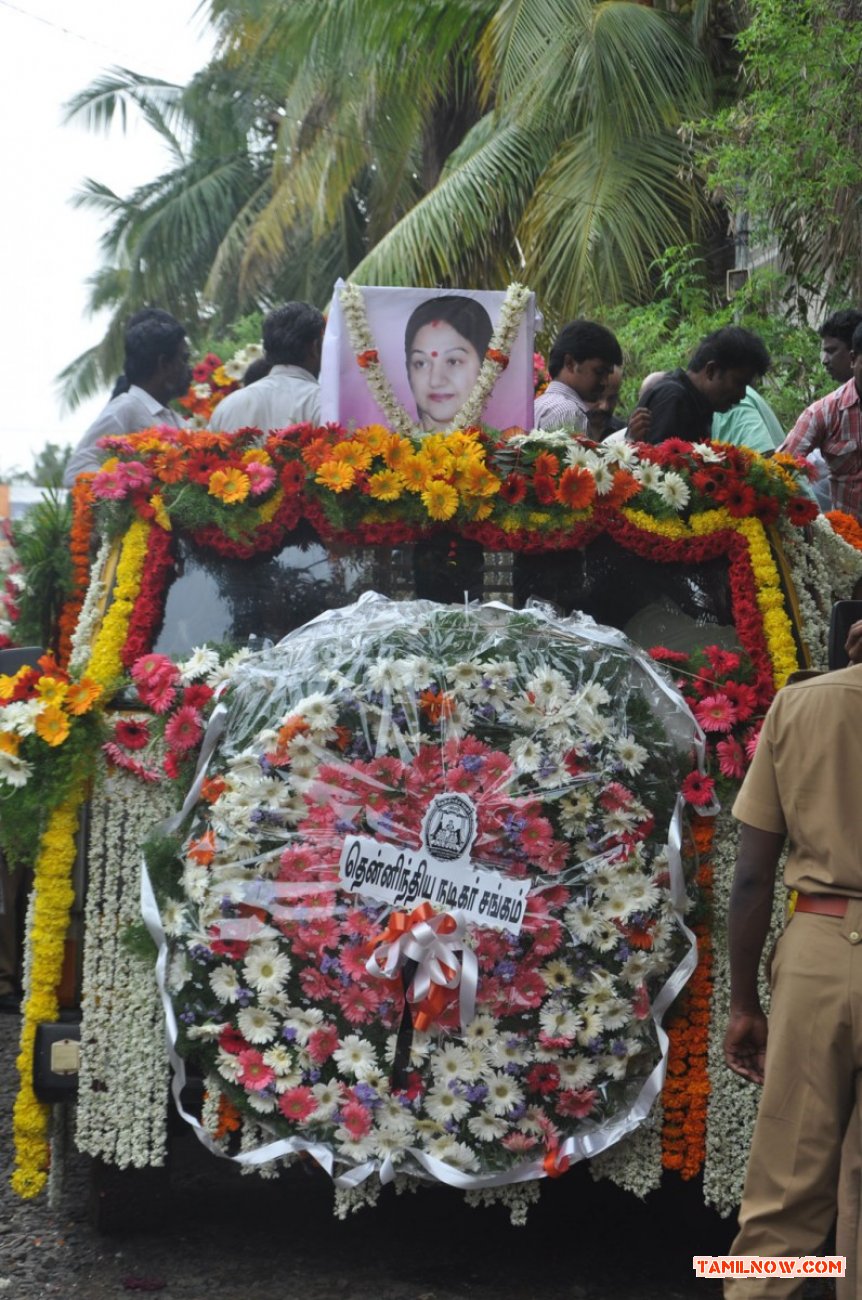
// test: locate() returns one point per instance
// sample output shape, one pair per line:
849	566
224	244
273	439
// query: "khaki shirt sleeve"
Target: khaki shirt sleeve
758	803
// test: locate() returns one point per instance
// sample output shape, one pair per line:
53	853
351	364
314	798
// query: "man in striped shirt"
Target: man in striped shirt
834	427
580	364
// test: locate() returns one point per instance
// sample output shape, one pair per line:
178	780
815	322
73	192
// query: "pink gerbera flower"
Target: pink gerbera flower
261	477
254	1074
731	758
356	1118
109	485
715	713
184	730
297	1104
322	1043
577	1103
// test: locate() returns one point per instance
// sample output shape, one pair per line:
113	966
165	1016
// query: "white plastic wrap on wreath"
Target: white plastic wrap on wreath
427	912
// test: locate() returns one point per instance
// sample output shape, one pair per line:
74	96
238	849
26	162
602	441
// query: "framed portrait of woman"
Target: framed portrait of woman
398	355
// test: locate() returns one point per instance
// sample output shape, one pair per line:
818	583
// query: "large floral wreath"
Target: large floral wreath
469	806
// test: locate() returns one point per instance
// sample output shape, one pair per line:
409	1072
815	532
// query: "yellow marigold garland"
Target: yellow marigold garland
105	664
53	898
53	891
770	599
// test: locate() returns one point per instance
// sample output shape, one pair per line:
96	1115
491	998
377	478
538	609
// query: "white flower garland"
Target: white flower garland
123	1085
362	342
88	619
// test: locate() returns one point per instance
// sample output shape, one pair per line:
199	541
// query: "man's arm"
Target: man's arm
809	431
669	407
748	925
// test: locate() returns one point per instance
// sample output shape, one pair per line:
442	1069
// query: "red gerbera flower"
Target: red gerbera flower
184	730
697	789
131	733
740	500
801	511
513	489
715	713
545	489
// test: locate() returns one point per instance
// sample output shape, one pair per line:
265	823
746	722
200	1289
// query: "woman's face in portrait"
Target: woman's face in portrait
443	367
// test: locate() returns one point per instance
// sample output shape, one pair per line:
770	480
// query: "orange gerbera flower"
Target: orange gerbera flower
375	437
230	485
414	474
82	695
170	465
52	725
316	453
211	788
202	851
546	463
625	487
576	488
398	452
9	742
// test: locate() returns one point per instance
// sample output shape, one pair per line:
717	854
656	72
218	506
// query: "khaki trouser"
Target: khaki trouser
850	1205
813	1056
14	885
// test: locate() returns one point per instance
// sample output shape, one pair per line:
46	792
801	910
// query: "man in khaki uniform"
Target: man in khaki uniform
802	786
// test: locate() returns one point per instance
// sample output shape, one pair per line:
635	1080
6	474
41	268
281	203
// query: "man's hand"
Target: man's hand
640	423
745	1044
853	644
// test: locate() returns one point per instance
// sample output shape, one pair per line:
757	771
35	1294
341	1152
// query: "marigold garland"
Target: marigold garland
685	1096
80	546
106	662
52	904
148	608
847	527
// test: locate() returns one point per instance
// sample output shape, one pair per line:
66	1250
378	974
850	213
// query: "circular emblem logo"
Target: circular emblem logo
449	827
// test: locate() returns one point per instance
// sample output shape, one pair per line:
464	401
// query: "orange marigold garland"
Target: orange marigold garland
685	1095
80	547
846	527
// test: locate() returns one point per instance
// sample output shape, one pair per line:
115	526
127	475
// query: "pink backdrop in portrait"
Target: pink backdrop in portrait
345	397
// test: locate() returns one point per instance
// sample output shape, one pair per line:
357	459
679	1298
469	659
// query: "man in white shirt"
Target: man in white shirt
156	369
290	393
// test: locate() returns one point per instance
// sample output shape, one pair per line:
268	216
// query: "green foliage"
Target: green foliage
788	151
49	466
664	334
41	539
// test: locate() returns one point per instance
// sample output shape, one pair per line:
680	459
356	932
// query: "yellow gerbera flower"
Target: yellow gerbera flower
9	742
440	500
375	437
7	686
397	452
335	475
51	690
477	480
256	454
436	457
230	485
82	695
385	485
352	453
414	474
52	725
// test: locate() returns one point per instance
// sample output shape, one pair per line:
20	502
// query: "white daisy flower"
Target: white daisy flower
503	1094
576	1071
319	711
584	920
442	1104
206	1033
603	479
328	1100
280	1058
591	1026
559	1021
594	696
635	969
487	1128
457	1154
224	983
200	663
178	972
453	1062
674	491
354	1055
419	1048
389	1145
711	455
508	1051
356	1150
649	476
394	1118
14	771
482	1028
383	675
464	674
266	968
416	672
526	754
227	1065
20	716
173	914
304	1021
630	753
257	1025
261	1102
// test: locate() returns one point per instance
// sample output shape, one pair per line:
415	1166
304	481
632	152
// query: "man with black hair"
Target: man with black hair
156	370
290	393
833	426
580	364
683	402
836	338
